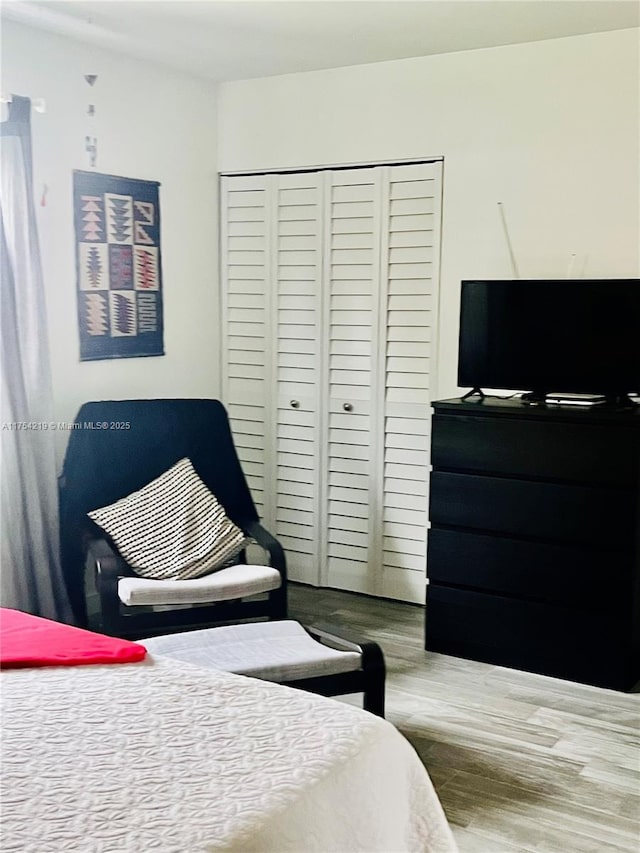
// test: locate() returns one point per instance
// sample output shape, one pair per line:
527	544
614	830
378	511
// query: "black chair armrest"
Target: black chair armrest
270	544
106	562
108	567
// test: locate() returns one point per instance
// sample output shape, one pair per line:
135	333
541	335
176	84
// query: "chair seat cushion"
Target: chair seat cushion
226	584
172	528
272	651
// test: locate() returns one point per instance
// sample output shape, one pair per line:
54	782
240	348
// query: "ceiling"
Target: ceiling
240	39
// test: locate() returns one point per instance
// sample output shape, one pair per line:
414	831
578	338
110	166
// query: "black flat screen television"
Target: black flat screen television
551	336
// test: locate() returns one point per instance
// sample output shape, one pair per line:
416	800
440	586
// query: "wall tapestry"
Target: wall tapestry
119	277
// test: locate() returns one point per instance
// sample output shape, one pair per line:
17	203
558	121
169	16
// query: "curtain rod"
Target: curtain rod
38	104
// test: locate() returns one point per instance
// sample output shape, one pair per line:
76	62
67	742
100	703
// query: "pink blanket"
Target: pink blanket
27	640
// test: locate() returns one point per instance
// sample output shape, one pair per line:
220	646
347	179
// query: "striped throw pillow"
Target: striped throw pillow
173	528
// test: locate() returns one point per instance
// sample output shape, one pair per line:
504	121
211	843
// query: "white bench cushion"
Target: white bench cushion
272	651
233	582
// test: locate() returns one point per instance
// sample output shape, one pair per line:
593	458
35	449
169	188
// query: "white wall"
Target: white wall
152	124
549	128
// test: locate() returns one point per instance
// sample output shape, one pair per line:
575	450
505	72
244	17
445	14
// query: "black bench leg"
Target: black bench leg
369	679
374	671
374	700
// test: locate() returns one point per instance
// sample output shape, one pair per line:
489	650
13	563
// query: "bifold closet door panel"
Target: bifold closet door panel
296	273
330	305
246	254
352	276
409	291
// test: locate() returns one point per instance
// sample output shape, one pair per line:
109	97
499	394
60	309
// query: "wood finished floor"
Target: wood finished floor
521	762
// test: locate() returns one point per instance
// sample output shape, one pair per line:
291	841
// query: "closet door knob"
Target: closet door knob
348	407
295	404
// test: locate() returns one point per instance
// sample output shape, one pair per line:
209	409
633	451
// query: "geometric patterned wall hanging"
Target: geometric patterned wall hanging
119	275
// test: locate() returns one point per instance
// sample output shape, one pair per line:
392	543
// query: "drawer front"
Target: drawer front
538	510
586	453
554	641
558	574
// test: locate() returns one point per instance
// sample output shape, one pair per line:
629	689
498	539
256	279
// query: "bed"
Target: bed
159	755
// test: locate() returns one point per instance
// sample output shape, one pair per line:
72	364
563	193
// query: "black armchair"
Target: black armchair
116	448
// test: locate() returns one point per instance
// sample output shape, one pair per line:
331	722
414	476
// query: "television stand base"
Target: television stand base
473	392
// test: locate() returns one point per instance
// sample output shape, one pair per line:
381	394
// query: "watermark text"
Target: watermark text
63	426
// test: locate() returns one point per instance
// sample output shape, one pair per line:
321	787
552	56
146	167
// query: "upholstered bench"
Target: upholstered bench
316	659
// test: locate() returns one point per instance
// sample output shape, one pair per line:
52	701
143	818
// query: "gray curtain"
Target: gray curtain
30	578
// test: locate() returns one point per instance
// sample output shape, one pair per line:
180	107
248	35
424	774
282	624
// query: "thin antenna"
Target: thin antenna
512	257
572	261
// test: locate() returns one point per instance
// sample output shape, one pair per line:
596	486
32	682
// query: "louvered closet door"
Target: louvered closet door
410	257
246	260
297	216
352	227
330	282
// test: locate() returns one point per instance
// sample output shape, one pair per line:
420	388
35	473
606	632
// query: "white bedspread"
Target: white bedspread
163	756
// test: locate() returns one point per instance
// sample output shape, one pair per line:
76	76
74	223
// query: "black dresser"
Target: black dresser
534	546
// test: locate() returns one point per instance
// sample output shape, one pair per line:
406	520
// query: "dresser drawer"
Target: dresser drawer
538	510
585	578
541	449
541	638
